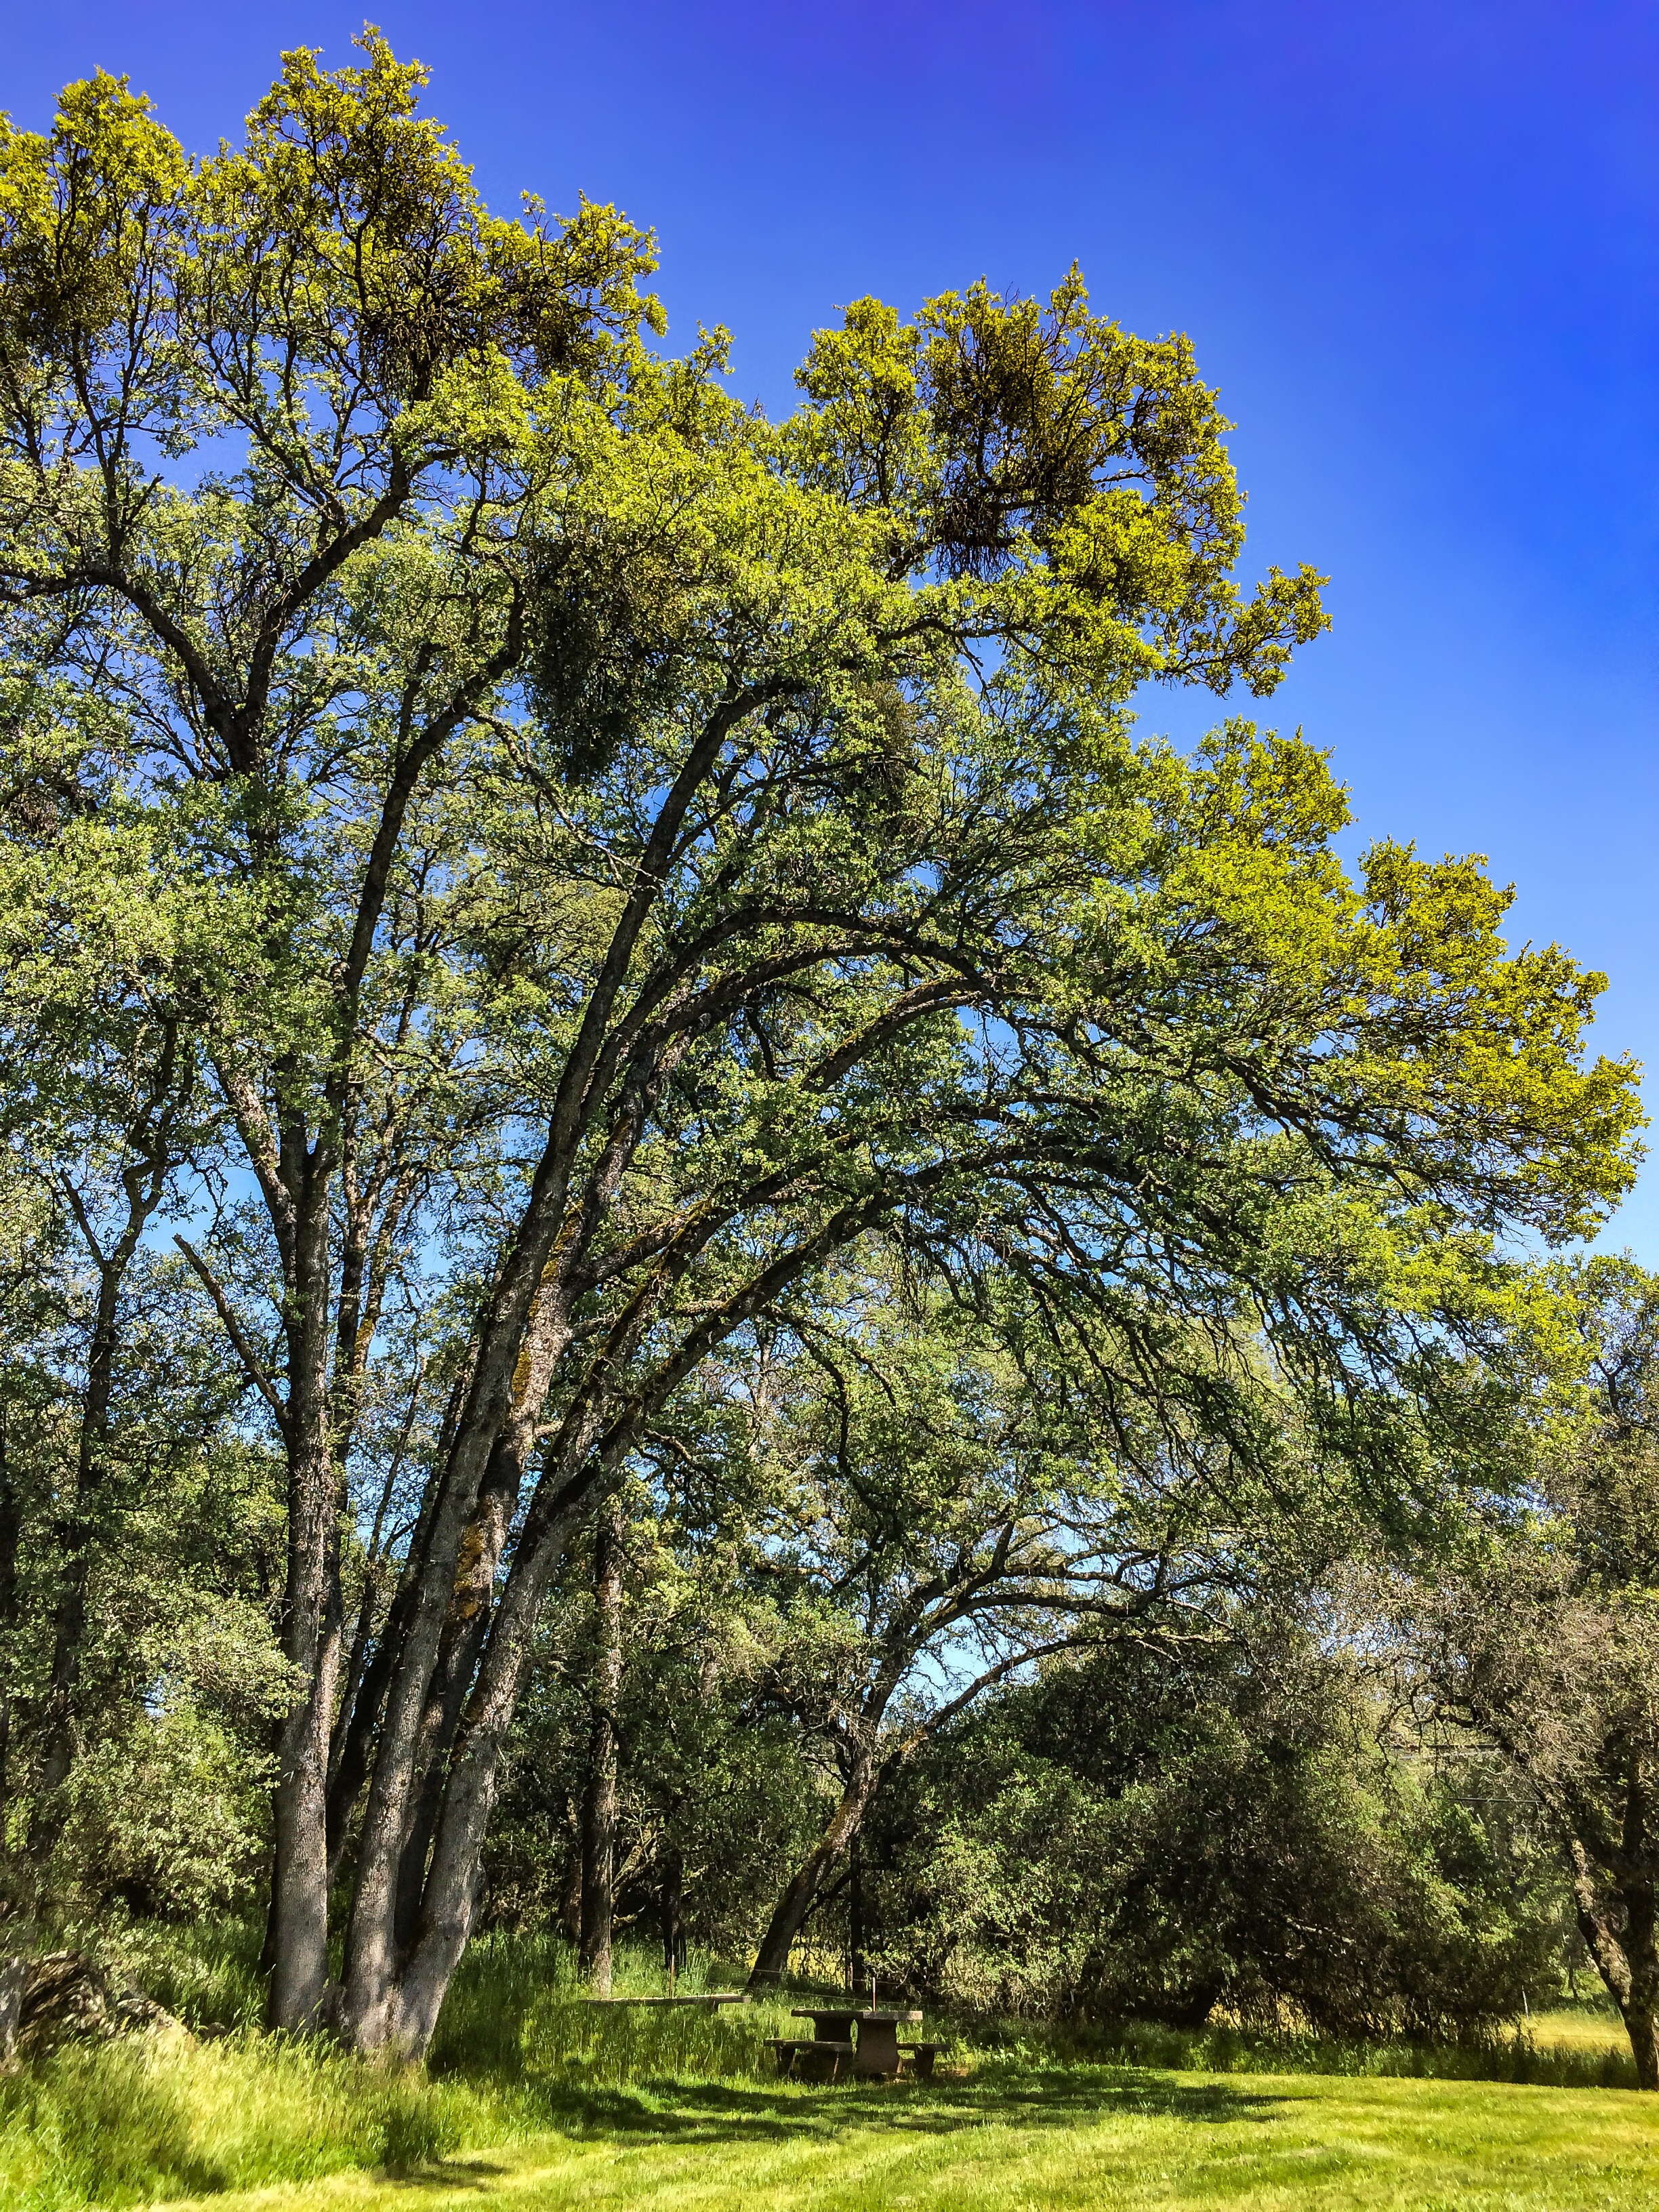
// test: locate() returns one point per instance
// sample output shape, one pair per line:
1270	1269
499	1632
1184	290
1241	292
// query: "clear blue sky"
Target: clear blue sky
1415	245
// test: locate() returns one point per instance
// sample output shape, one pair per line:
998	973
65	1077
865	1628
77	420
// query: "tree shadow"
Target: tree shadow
460	2174
714	2113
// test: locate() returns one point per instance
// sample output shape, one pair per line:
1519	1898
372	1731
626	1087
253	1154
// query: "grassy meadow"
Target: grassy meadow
534	2098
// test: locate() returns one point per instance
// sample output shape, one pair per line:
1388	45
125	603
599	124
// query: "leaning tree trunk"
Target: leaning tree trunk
772	1958
393	2000
1626	1956
599	1806
382	1950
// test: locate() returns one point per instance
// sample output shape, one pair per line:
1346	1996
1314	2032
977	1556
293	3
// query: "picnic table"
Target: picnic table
877	2050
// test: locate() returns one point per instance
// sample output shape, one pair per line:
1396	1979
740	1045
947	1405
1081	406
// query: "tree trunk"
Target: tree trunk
526	1315
12	1530
858	1964
600	1805
1627	1958
143	1181
310	1639
464	1629
772	1958
352	1743
673	1921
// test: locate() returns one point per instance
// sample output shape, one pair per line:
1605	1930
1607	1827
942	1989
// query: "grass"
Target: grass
535	2099
1079	2137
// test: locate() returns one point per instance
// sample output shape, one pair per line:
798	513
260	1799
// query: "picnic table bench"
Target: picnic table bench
874	2053
815	2058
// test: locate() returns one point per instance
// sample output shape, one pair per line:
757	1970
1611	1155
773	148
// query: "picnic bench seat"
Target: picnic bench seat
922	2056
812	2058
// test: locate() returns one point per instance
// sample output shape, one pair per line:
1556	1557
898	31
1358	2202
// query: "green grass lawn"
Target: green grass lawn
1080	2136
537	2098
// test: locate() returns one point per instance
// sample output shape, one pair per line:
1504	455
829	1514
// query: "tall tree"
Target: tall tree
331	302
641	848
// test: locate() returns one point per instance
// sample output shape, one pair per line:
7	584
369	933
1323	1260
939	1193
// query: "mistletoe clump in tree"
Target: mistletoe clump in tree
625	850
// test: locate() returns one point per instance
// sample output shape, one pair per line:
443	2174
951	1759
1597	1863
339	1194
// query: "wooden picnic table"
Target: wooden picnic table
876	2051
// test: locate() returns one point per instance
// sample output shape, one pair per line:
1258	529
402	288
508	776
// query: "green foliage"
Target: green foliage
1525	2054
560	871
1169	1835
1538	1634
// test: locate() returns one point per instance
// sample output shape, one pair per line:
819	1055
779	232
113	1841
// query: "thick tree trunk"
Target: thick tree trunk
772	1958
526	1326
464	1629
411	2001
352	1744
1626	1957
600	1804
391	1997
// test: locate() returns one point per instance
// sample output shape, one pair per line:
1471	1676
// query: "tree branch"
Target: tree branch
245	1351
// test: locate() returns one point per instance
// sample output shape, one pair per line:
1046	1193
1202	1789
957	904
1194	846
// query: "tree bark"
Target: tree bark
352	1744
857	1964
311	1637
674	1911
374	1958
1626	1957
772	1958
464	1629
600	1805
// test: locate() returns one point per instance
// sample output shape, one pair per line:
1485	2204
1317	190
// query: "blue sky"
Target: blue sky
1415	247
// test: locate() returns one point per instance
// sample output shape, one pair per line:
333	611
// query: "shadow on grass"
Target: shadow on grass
458	2175
719	2112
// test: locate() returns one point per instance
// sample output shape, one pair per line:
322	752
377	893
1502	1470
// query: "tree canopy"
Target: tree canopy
500	827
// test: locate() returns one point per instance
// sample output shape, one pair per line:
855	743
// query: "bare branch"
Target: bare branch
245	1351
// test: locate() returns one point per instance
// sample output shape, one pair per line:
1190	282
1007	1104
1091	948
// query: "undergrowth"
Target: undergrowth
163	2116
519	2051
1518	2055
